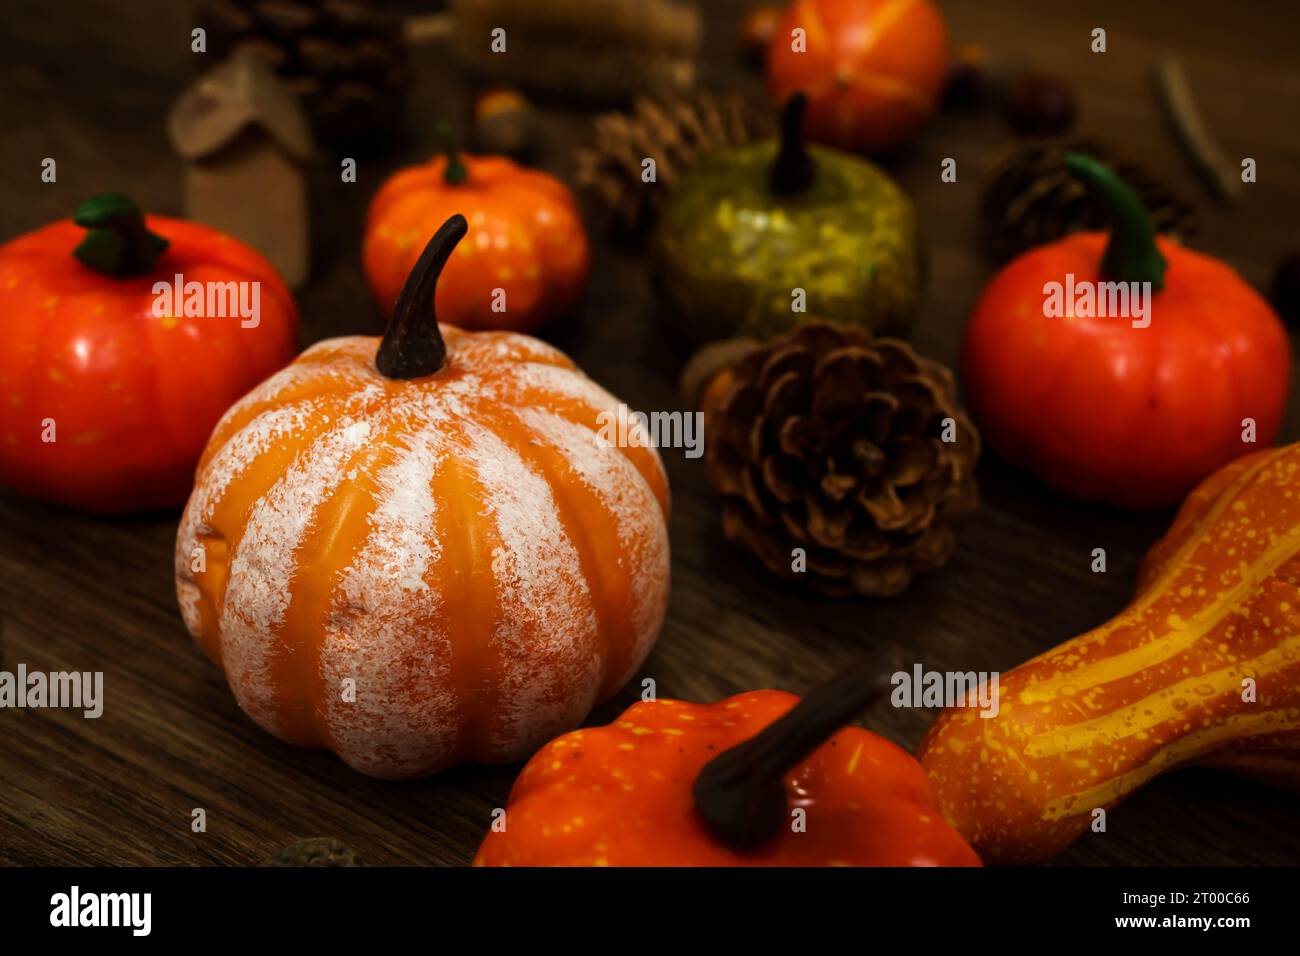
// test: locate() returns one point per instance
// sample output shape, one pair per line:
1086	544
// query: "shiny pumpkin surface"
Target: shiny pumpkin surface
620	795
133	396
728	254
526	240
1159	687
415	573
1105	411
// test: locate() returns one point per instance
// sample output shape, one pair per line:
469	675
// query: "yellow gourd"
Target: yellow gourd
1202	668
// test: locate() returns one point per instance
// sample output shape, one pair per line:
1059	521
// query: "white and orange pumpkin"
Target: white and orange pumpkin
424	551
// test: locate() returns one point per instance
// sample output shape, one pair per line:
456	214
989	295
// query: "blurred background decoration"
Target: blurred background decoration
346	59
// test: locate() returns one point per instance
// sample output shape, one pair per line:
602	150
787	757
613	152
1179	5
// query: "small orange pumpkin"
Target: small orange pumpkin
421	551
525	264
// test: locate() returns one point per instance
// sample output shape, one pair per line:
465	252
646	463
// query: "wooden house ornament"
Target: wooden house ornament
245	142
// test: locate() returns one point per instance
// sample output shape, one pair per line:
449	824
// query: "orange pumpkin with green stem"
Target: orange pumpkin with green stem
1202	669
525	263
128	396
759	779
1105	410
420	550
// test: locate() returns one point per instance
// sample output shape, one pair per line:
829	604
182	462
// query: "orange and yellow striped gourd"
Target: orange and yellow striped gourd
1202	668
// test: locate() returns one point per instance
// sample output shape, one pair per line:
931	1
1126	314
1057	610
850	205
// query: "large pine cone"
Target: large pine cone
833	442
677	134
345	59
1031	198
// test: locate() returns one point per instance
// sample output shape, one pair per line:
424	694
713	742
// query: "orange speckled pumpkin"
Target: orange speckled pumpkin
677	784
131	395
527	240
424	554
1159	687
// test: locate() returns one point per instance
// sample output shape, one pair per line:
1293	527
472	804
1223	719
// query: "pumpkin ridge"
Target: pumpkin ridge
575	392
262	561
624	495
297	383
322	553
609	629
382	612
546	675
461	531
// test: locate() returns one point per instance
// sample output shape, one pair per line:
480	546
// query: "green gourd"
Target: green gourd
749	227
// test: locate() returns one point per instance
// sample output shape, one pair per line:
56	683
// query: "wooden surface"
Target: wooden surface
89	82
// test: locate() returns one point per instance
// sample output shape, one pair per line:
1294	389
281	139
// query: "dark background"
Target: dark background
89	83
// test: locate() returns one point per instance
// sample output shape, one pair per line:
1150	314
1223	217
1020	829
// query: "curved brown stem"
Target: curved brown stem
740	794
412	345
794	169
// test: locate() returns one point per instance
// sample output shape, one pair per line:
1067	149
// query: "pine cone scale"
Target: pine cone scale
832	442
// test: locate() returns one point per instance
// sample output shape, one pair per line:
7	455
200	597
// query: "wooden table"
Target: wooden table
88	82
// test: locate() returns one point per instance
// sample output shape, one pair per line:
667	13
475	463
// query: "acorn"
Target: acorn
1040	104
966	77
757	27
1286	290
505	123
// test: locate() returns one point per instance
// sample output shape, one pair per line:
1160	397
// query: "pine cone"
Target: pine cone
676	134
598	50
346	59
1031	198
315	851
834	442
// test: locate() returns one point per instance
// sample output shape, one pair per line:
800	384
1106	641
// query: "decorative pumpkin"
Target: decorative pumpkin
106	403
760	238
525	264
420	551
874	69
1202	669
1127	410
752	780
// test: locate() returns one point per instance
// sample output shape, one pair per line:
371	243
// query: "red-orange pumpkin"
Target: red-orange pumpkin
105	402
418	554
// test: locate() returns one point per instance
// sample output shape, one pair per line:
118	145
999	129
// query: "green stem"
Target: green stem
740	794
793	170
117	242
412	345
456	171
1132	254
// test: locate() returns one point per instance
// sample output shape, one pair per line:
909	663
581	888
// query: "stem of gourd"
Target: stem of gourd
456	171
740	794
794	170
117	242
412	345
1131	254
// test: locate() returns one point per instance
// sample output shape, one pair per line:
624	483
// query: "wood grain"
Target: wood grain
88	83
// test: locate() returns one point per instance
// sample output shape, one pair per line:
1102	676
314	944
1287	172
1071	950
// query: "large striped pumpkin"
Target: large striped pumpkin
1163	685
420	568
